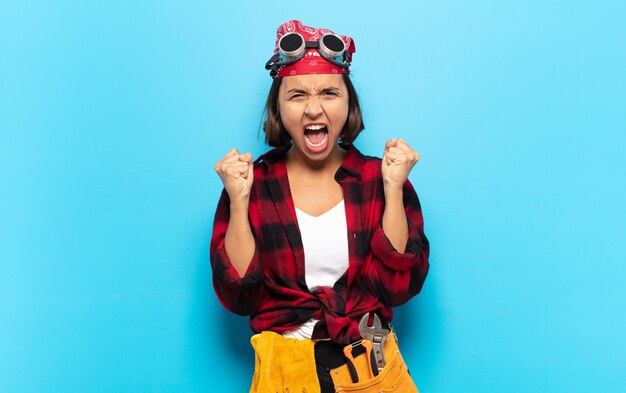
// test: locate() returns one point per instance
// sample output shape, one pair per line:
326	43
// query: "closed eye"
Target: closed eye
296	93
330	93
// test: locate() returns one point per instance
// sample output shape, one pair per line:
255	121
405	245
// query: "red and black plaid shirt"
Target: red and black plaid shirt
273	290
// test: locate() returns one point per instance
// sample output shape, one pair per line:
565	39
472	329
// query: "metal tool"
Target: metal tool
376	335
369	354
347	352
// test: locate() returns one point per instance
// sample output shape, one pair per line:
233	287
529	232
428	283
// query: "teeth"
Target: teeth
316	144
315	127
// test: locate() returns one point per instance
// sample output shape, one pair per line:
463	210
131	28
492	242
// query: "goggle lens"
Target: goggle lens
292	45
333	44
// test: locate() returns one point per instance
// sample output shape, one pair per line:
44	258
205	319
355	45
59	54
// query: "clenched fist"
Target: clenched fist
398	160
236	173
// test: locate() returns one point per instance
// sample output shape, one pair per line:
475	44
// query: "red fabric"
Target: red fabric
312	62
274	292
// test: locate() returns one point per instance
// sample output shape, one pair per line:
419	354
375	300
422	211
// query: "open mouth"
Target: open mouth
316	137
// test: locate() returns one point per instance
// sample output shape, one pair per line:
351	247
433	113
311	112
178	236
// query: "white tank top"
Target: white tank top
325	242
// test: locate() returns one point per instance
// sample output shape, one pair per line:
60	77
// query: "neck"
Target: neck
296	160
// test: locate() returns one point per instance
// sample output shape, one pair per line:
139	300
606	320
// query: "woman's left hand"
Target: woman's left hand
398	160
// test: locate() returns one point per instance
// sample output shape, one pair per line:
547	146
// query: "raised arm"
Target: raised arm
237	270
400	248
236	173
398	160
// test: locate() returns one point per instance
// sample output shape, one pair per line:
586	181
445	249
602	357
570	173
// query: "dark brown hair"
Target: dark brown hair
276	134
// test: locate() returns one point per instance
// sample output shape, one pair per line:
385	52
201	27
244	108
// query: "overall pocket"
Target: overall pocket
394	377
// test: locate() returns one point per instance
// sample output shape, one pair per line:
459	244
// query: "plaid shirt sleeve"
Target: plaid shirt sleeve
237	294
396	277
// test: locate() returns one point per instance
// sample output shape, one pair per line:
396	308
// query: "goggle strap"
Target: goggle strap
272	61
312	44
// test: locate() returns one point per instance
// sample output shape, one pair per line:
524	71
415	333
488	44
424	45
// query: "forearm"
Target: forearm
239	241
395	225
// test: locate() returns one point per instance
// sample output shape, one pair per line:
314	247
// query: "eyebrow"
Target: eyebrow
296	90
300	90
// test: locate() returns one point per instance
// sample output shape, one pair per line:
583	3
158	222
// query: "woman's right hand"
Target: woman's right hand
236	172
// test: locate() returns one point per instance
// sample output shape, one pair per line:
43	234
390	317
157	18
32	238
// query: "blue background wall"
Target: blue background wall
113	115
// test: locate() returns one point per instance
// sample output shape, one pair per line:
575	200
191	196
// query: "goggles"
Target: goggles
292	47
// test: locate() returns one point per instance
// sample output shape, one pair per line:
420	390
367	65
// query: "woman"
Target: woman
314	240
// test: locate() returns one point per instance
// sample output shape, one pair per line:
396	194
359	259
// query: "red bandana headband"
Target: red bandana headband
312	62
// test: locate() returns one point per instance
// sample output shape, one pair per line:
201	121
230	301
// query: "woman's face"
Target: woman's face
314	109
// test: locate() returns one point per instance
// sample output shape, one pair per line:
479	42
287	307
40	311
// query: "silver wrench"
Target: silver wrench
377	335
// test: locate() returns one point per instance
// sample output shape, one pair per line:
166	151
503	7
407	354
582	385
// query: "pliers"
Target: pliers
347	351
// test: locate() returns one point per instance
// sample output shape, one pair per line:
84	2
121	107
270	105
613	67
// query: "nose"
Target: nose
313	108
